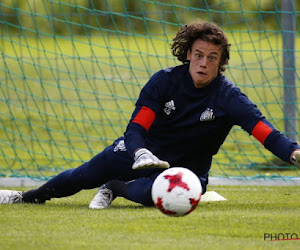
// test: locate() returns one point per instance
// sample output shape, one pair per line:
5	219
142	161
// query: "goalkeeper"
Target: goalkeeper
181	118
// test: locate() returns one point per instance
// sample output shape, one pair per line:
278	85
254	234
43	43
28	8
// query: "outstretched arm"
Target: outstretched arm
245	114
276	142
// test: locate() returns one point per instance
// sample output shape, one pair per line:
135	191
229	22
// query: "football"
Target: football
176	191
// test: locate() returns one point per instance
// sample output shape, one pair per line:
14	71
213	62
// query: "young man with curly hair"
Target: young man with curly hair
181	119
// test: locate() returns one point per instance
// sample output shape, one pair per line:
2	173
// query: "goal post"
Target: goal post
289	70
71	71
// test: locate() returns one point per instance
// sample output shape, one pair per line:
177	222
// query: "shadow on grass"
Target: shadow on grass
74	205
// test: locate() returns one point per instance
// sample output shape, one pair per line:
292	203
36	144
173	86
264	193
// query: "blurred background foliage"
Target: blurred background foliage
83	17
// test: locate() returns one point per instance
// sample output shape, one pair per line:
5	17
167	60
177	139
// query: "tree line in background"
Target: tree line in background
65	17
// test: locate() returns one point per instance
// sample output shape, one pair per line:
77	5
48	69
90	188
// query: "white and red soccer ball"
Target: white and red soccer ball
176	191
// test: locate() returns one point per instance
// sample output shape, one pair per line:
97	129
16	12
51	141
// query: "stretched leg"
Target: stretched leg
113	163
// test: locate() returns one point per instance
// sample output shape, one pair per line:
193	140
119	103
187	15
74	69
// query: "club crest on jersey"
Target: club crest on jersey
207	115
169	106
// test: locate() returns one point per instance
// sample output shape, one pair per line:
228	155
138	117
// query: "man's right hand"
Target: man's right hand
145	159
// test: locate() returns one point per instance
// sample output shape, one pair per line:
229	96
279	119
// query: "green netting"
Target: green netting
70	72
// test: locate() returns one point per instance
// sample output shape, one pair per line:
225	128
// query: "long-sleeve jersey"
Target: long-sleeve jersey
186	126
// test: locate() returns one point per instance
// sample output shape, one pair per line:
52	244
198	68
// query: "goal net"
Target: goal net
71	71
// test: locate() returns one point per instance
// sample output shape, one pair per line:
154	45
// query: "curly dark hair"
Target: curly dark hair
205	31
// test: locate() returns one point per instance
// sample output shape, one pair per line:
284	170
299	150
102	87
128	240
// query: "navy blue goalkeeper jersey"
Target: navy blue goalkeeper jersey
186	126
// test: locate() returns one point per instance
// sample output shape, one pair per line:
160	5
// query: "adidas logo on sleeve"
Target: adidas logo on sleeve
169	106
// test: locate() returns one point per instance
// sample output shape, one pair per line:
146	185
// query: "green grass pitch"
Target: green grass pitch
241	222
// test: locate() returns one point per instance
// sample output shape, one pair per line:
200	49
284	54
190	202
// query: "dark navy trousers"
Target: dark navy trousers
113	163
